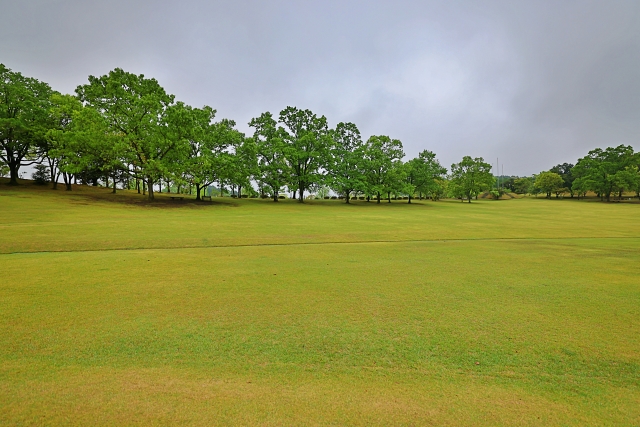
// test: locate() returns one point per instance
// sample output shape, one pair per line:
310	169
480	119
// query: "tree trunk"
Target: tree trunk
409	202
275	194
346	198
197	191
13	173
144	187
608	196
150	189
378	197
301	194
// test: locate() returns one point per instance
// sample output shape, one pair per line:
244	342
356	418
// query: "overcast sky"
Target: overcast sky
534	83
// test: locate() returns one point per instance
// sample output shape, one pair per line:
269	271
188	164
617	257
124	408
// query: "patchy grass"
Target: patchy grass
519	312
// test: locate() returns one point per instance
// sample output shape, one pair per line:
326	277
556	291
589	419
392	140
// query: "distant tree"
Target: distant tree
470	177
41	174
345	169
580	187
523	185
272	169
380	155
602	171
24	119
242	164
306	147
564	170
425	174
548	182
4	169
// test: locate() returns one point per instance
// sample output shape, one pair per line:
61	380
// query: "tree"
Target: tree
602	171
241	163
306	145
24	106
142	112
380	153
548	182
424	174
470	177
523	185
564	170
345	171
272	169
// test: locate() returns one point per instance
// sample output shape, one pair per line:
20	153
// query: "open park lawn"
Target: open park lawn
115	311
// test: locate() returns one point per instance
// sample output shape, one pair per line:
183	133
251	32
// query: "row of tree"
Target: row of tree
606	172
124	128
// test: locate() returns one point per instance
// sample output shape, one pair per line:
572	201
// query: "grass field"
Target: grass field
114	311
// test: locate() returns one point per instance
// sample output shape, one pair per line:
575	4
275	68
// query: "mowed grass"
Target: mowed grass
519	312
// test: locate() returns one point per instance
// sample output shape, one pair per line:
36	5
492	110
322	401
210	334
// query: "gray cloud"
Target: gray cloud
534	83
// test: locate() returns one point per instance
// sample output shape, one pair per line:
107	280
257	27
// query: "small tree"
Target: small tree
548	182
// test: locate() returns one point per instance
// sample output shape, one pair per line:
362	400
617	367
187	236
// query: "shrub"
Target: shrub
281	197
41	175
326	197
244	196
334	198
361	198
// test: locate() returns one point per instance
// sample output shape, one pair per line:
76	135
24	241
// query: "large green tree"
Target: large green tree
345	168
470	177
306	147
604	171
424	174
381	154
24	119
145	116
271	169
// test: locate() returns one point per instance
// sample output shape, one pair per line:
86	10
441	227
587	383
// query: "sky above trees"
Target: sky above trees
534	83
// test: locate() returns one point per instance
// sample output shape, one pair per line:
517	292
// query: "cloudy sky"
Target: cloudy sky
534	83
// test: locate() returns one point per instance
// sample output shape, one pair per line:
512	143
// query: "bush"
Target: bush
340	197
361	198
334	198
41	175
326	197
244	196
281	197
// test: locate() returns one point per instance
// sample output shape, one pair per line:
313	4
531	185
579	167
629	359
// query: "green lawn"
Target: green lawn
119	312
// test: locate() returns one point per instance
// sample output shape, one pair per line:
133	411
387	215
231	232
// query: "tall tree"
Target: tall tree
267	144
470	177
345	169
425	173
24	119
306	145
380	154
602	171
141	111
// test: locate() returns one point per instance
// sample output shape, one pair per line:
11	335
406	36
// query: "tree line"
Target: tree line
123	128
607	173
